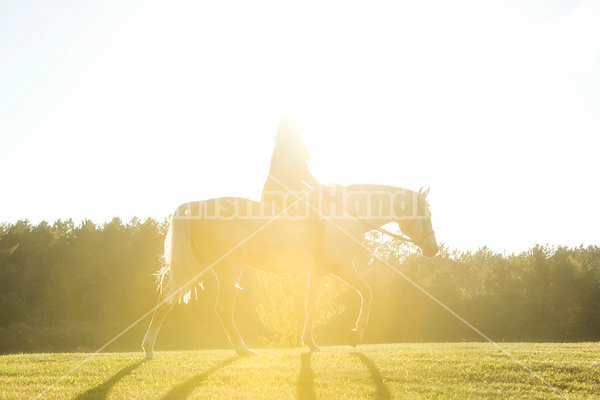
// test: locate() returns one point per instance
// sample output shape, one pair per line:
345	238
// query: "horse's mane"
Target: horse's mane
375	187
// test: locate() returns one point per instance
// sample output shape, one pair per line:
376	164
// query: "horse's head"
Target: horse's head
418	227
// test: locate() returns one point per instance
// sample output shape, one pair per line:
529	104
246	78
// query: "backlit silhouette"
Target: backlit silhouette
318	230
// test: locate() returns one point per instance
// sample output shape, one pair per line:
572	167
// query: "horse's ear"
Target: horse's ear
421	190
425	193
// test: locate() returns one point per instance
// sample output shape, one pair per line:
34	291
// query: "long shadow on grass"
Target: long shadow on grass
101	391
185	389
383	392
306	379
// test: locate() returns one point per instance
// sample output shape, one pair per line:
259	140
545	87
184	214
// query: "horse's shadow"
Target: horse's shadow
185	389
101	391
306	379
382	391
305	386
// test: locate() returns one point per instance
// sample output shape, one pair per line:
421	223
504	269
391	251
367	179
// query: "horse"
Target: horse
225	234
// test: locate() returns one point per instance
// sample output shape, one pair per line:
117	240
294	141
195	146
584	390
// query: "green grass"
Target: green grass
404	371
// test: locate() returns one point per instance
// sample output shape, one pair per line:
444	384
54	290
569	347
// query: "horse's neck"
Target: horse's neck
379	192
382	203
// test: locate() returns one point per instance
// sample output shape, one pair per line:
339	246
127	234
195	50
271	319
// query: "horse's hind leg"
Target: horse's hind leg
164	307
228	276
315	285
349	274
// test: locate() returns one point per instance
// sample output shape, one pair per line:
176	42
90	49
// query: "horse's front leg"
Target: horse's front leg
315	285
228	276
349	274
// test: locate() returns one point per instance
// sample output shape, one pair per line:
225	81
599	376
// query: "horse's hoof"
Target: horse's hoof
354	338
148	357
247	353
313	348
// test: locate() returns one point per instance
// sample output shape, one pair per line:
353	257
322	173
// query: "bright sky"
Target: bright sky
130	108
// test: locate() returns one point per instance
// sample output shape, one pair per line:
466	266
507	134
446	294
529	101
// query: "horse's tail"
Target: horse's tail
181	261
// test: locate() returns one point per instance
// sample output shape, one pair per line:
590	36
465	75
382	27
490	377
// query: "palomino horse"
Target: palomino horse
227	233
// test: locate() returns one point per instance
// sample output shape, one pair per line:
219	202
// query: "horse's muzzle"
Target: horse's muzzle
430	247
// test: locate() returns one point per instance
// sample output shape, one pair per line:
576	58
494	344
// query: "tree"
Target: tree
284	316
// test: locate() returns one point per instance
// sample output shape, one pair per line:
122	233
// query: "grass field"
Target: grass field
403	371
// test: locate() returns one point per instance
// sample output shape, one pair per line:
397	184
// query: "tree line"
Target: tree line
67	286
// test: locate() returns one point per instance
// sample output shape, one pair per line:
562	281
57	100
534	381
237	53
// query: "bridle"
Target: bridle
428	232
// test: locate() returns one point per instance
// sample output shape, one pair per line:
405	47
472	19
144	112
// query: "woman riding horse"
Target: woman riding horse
289	169
197	241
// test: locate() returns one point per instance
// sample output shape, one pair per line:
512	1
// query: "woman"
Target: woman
289	170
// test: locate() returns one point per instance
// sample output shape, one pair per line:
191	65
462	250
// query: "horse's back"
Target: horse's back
222	208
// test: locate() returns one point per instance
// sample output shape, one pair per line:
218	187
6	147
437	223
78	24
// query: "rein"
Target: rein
400	237
395	236
381	230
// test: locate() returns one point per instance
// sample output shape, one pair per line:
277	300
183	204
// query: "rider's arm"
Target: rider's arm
309	179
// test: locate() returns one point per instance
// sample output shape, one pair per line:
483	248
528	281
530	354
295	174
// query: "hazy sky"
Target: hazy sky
130	108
